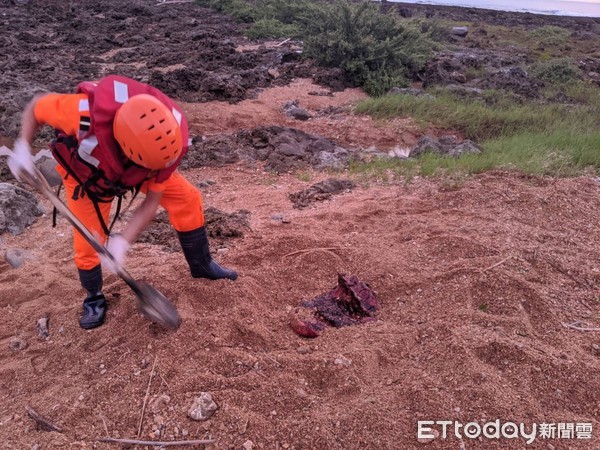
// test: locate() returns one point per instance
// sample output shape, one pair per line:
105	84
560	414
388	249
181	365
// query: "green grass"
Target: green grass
538	138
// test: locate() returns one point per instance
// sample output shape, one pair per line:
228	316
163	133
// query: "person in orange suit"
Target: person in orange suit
113	137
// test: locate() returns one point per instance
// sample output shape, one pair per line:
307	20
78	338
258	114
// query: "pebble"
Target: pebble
15	257
596	346
17	344
248	445
222	251
103	371
42	328
184	432
203	407
303	349
277	216
342	361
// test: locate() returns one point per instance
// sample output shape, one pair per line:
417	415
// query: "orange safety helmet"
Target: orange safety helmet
148	132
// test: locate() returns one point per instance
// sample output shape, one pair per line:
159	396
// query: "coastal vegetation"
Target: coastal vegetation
552	132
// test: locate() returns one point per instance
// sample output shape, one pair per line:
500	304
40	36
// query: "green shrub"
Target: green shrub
560	70
273	28
240	10
377	51
550	35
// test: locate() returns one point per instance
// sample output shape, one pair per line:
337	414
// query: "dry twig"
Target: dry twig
283	42
575	326
499	263
155	443
41	422
146	397
169	2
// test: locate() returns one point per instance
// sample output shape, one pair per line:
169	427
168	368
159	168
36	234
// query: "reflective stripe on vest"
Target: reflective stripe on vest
84	105
177	115
121	92
85	150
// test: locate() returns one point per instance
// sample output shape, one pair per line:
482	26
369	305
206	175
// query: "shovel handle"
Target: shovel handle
38	181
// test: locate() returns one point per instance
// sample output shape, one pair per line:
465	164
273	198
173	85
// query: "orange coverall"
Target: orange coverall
181	200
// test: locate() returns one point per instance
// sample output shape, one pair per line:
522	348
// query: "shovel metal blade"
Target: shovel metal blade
156	307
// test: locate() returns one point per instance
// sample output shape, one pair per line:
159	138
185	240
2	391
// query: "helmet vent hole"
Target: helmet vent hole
164	148
153	109
169	131
140	157
173	141
158	138
161	121
142	116
151	127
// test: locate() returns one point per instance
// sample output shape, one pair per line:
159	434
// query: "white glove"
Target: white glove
21	161
117	246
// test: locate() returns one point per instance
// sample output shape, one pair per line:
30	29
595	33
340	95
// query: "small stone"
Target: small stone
596	346
286	446
144	363
35	447
222	251
459	31
137	372
102	366
15	257
17	344
303	349
184	432
103	371
342	361
551	447
176	431
273	413
203	407
42	328
277	216
286	220
159	403
80	398
248	445
243	426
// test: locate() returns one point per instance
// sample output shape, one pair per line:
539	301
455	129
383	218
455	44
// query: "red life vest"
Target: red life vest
96	161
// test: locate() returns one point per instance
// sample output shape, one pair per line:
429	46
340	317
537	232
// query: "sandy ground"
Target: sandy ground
475	283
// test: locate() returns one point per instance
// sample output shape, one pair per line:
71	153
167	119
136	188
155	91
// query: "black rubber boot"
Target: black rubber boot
94	304
195	248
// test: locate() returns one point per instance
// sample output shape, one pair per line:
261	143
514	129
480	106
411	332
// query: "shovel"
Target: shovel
154	305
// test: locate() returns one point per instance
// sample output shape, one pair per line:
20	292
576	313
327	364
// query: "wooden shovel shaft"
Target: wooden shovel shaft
39	182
